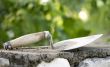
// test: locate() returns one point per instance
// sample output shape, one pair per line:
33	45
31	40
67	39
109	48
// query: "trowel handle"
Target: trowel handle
27	39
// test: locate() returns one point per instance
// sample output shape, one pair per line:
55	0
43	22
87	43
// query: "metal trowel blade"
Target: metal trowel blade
76	42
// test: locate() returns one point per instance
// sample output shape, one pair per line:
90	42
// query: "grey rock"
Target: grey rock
57	62
4	62
95	62
31	57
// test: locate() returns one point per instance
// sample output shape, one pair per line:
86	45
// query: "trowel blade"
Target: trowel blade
75	43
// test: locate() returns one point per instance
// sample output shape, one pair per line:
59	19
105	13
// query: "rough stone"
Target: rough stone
95	62
57	62
4	62
33	56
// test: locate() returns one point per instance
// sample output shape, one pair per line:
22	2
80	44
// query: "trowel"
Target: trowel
61	45
76	42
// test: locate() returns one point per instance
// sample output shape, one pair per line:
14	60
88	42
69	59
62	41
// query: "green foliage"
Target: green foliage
60	17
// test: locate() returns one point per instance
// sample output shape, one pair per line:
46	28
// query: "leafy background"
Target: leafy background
63	18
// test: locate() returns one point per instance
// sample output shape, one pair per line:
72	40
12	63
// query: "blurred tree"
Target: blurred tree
63	18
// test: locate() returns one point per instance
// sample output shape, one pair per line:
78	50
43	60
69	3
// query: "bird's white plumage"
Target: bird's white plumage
75	43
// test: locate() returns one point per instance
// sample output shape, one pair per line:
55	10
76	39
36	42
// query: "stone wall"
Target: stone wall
34	57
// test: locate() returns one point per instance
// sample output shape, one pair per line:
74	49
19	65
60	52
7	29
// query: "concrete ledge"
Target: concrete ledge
32	57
